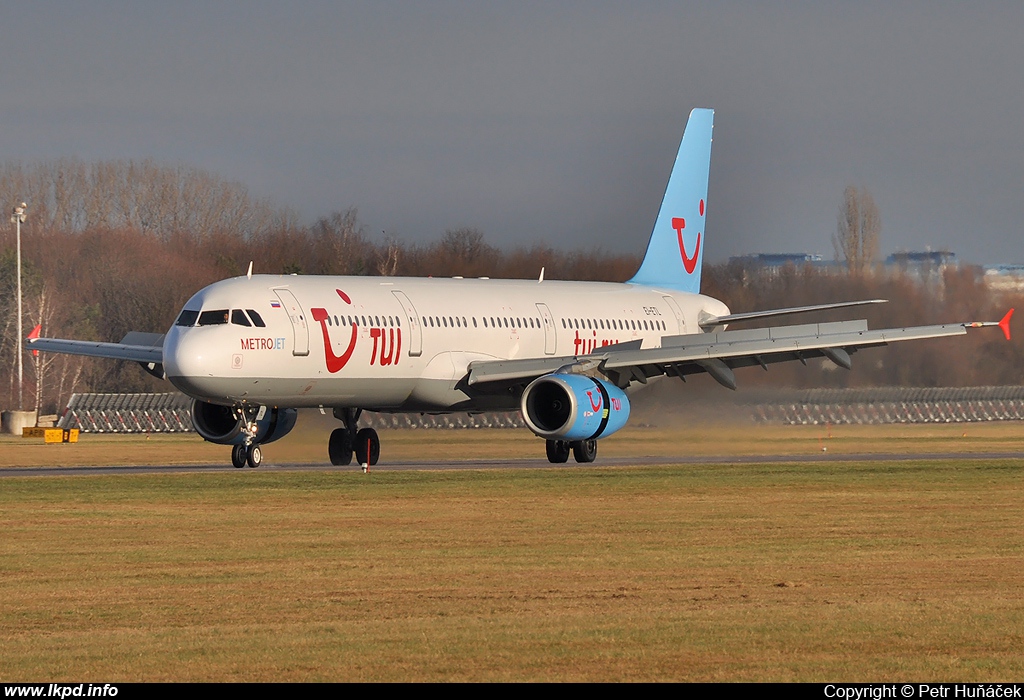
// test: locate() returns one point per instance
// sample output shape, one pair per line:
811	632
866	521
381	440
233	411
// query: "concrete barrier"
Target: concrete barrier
12	422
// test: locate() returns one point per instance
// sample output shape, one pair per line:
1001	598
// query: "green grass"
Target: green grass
857	571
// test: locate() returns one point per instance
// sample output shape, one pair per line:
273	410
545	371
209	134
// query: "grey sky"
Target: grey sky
549	122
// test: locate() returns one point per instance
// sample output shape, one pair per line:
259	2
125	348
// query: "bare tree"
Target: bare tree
72	195
464	244
857	234
387	262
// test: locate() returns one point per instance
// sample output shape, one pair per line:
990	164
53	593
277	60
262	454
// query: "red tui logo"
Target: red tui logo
335	362
679	223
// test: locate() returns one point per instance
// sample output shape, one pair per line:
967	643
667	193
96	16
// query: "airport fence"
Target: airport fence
171	413
128	413
888	405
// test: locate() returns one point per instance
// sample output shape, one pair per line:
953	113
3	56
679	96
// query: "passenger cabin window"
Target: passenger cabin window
238	318
187	318
213	318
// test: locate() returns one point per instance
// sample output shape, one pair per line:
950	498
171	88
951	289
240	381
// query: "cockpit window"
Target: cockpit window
257	320
238	318
187	318
213	318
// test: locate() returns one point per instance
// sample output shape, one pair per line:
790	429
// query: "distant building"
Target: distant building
930	260
1004	278
772	263
926	266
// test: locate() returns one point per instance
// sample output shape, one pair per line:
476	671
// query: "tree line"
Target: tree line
110	248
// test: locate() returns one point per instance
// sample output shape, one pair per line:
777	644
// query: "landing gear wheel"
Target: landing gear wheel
367	446
558	451
238	456
340	447
585	451
254	456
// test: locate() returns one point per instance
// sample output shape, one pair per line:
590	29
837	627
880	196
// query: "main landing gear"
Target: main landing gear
344	441
584	451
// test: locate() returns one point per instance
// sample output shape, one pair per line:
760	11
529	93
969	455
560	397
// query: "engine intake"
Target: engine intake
573	407
221	424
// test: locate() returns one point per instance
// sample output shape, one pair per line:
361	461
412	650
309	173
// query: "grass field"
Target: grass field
822	571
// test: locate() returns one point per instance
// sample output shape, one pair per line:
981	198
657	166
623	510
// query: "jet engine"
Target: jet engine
222	424
573	407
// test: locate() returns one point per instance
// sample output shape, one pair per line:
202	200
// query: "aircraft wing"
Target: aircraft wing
146	348
715	353
707	322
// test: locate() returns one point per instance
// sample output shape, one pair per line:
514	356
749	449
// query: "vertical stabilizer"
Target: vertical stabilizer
676	250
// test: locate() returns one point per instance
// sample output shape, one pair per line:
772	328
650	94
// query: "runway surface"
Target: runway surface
516	464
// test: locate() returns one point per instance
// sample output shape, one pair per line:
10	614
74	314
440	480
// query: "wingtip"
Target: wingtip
1004	324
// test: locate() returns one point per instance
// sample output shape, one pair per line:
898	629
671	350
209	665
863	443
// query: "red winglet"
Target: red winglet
1005	323
33	335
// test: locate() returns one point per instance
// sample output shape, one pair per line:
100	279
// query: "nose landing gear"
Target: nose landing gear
249	452
242	455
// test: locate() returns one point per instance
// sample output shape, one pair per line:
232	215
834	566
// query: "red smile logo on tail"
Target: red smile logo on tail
335	362
679	223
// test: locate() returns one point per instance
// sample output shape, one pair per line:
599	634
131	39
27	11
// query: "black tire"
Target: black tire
238	456
254	456
366	439
339	447
558	451
585	451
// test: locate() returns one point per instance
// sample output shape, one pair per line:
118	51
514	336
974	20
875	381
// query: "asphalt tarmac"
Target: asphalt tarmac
517	463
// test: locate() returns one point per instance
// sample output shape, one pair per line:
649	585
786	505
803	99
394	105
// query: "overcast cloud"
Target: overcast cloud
550	122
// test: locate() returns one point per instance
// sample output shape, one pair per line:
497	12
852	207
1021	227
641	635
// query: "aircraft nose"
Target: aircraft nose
186	360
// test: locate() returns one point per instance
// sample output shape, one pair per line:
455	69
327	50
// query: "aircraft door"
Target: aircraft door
550	339
674	305
415	328
297	316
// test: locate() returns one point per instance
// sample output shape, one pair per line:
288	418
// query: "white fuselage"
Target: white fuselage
402	344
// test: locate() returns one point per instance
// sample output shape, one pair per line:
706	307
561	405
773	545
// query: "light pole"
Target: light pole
18	218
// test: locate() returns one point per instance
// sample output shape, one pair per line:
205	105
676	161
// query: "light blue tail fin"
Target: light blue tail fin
676	250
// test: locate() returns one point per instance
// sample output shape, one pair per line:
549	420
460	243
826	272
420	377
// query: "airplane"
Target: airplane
252	350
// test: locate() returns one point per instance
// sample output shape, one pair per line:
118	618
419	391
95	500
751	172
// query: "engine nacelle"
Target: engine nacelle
221	424
574	407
